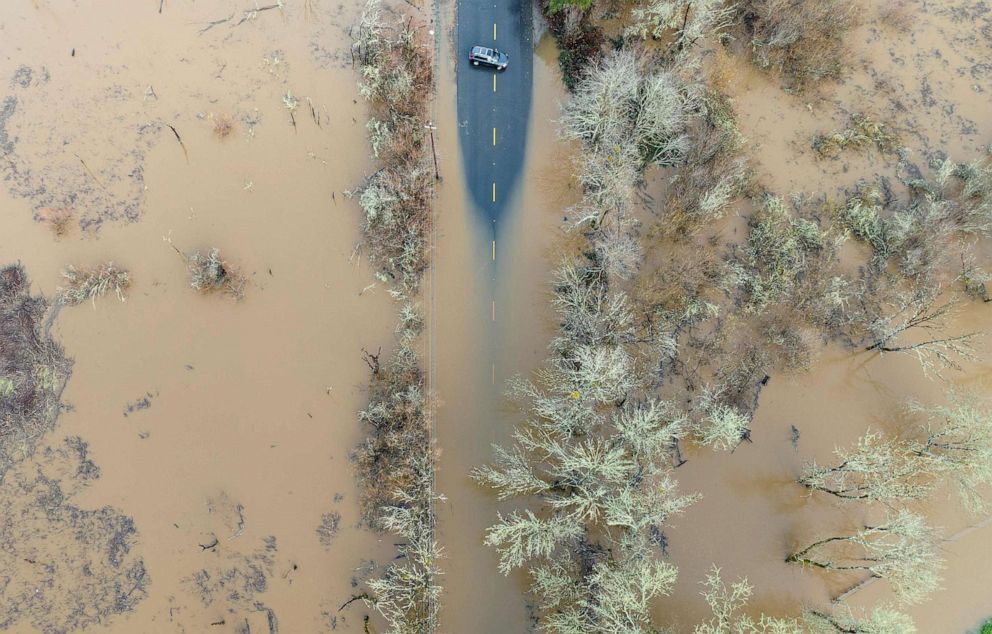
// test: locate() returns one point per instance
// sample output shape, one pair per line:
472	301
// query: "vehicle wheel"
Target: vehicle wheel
475	63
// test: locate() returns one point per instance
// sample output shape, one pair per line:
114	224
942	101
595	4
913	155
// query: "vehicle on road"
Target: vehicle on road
483	56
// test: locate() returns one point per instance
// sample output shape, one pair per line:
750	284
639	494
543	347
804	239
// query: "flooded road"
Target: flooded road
492	323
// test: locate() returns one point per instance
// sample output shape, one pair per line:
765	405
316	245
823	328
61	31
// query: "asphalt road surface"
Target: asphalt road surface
494	107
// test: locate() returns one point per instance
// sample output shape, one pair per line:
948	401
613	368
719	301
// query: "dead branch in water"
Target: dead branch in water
211	25
90	172
180	139
365	596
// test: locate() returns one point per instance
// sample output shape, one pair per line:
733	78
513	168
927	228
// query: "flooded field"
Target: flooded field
222	429
198	478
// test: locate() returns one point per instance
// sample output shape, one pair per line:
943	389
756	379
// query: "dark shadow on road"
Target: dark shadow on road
492	169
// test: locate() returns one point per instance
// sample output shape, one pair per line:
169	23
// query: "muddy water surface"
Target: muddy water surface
222	428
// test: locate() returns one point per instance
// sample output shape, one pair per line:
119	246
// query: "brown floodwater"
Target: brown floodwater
212	421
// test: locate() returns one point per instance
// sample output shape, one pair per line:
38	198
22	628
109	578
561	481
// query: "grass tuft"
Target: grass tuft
88	284
862	133
208	273
223	126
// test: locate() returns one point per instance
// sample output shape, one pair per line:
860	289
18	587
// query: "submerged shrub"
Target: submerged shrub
209	273
88	284
862	132
803	40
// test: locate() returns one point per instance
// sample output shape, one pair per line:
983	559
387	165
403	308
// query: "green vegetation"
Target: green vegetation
987	627
88	284
579	42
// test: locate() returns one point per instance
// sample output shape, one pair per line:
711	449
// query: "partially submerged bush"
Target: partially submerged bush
781	249
580	42
679	22
209	273
223	126
395	462
88	284
395	465
58	219
397	199
862	133
714	174
803	40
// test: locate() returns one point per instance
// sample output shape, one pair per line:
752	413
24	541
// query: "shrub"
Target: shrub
680	22
859	135
88	284
396	199
580	43
803	40
223	126
209	273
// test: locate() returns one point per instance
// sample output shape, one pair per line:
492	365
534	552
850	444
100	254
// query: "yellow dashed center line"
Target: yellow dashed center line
494	310
494	31
494	250
494	136
494	192
494	82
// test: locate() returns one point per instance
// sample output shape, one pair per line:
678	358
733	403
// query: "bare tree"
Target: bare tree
919	312
957	443
878	469
728	603
592	460
901	550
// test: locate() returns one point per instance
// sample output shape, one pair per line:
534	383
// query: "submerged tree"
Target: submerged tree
957	443
901	550
918	312
597	460
878	469
727	604
883	619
